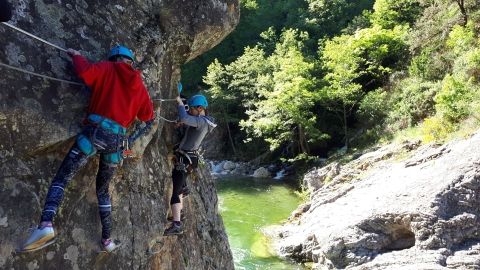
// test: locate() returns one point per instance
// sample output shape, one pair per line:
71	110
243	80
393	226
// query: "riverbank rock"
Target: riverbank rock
229	166
261	173
39	119
399	207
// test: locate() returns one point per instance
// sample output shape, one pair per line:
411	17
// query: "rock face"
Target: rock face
39	117
378	212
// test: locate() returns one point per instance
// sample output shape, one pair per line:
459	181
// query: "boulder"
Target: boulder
261	173
229	165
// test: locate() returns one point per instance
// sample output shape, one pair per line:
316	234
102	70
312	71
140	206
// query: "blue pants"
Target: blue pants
104	143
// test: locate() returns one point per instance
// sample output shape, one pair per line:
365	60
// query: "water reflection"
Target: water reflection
247	206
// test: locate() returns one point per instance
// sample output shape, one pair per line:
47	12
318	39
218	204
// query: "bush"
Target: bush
436	129
373	108
453	99
428	65
389	13
411	102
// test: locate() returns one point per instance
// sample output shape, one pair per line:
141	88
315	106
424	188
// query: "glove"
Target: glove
179	88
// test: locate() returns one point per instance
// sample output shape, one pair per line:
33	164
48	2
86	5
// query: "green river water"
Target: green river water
247	206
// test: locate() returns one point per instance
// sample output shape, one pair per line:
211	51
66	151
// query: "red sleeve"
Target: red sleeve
145	113
87	71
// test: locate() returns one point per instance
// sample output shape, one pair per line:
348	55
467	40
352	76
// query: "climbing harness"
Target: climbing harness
186	161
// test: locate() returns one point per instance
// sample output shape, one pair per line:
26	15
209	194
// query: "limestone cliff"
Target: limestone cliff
399	207
39	119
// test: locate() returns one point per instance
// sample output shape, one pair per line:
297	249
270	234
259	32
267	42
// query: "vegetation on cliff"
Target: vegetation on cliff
307	76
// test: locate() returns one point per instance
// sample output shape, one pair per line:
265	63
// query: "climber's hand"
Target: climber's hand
179	100
72	52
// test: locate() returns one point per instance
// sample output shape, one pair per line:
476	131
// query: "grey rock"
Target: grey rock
228	165
261	173
39	119
378	212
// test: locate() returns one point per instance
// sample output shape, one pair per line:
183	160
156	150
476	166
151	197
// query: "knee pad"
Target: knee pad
85	145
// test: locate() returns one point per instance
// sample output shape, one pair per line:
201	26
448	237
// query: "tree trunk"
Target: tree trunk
345	127
461	6
230	138
302	140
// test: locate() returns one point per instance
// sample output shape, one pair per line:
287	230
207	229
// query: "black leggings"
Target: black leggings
180	173
179	178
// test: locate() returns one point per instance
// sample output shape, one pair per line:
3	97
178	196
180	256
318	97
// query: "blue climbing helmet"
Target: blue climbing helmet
198	100
120	50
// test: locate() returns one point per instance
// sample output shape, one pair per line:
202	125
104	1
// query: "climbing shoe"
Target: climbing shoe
174	229
40	238
108	245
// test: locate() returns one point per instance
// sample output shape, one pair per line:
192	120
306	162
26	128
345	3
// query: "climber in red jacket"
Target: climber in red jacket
118	98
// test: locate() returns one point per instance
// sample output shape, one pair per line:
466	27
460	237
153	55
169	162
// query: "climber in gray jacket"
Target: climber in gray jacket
198	125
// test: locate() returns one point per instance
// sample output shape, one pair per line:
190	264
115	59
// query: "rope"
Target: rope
162	99
39	75
166	120
56	79
35	37
167	99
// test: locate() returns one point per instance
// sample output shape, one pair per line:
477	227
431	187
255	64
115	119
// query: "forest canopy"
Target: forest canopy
305	77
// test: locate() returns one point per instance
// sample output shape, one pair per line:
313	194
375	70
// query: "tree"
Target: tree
283	114
390	13
234	87
358	64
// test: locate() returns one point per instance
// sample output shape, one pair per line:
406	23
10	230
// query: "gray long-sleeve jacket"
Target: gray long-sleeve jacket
197	128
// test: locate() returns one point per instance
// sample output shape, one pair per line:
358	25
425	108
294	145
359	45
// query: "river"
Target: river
248	205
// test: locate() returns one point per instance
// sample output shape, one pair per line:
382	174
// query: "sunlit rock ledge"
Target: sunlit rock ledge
403	206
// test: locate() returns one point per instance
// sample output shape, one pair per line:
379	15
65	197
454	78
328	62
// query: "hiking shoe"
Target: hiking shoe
109	245
182	218
40	238
174	230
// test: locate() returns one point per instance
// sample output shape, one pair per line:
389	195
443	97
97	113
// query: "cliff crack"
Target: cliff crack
133	230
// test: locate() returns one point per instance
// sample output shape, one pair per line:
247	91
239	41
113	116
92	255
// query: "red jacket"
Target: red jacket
118	92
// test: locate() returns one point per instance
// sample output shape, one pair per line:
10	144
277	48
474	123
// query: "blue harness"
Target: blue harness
86	146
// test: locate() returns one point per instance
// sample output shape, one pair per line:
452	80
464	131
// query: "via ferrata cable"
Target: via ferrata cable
35	37
39	75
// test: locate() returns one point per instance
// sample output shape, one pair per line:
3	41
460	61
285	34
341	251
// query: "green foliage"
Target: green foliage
234	87
317	73
453	99
373	108
284	112
411	102
460	39
358	64
256	17
390	13
363	61
329	17
361	21
428	65
436	129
